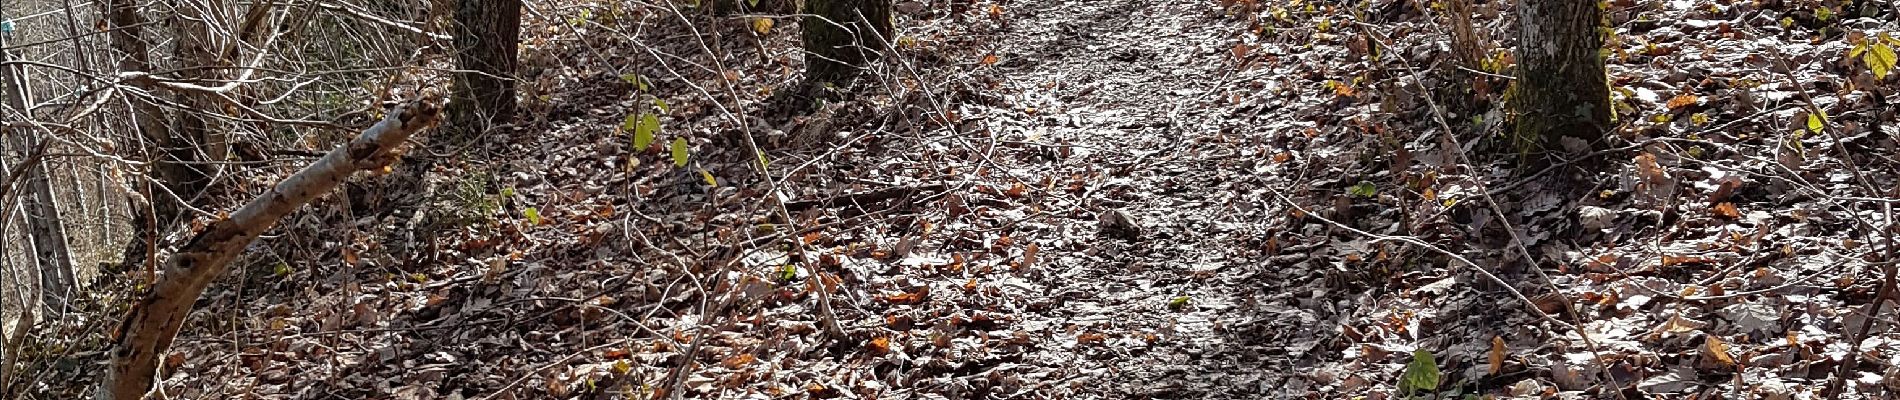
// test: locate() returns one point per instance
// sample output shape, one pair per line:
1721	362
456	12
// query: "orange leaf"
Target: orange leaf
1726	210
912	297
1683	101
621	354
737	361
879	345
1715	354
1497	354
989	59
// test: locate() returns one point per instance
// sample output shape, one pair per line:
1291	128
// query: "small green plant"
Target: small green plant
680	153
1364	189
1420	374
469	202
1876	53
1179	303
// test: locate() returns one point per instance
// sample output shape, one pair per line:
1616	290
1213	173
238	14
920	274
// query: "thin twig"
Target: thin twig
1888	272
1438	115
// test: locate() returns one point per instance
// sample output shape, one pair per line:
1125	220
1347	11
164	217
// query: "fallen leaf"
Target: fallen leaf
1497	354
1726	210
1715	355
1683	101
739	360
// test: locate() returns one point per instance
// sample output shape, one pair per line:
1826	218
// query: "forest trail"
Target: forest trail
1148	98
1083	199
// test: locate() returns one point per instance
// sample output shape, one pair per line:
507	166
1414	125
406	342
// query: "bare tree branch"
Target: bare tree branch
154	321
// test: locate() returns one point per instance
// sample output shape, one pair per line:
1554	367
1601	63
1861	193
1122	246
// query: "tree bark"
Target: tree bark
487	39
45	229
152	324
837	41
174	159
1562	89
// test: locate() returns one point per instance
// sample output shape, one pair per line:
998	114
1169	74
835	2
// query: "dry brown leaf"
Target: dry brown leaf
1726	210
1669	261
1715	355
1497	354
1017	190
1650	170
912	297
737	361
1683	101
1029	256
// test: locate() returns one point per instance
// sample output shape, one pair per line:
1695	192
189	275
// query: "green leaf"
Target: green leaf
752	3
788	272
533	215
1420	374
282	269
1179	302
1880	59
1814	122
763	163
708	177
1364	189
635	79
643	131
627	124
662	105
679	152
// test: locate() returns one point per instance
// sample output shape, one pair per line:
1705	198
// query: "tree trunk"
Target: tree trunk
837	42
154	321
1561	85
487	37
45	228
199	141
174	159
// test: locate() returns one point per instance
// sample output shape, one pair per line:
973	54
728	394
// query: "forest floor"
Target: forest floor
1120	199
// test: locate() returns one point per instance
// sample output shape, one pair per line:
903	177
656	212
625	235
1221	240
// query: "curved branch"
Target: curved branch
148	330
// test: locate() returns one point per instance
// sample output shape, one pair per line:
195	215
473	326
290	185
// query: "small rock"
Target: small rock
1118	224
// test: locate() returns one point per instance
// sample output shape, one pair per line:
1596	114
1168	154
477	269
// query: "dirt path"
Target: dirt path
1147	89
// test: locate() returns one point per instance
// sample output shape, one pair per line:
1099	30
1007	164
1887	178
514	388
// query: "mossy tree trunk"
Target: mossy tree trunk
1561	88
838	43
487	36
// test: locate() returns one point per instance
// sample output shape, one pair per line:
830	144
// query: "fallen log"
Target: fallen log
149	328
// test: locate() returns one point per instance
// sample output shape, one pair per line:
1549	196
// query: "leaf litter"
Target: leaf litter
1083	200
